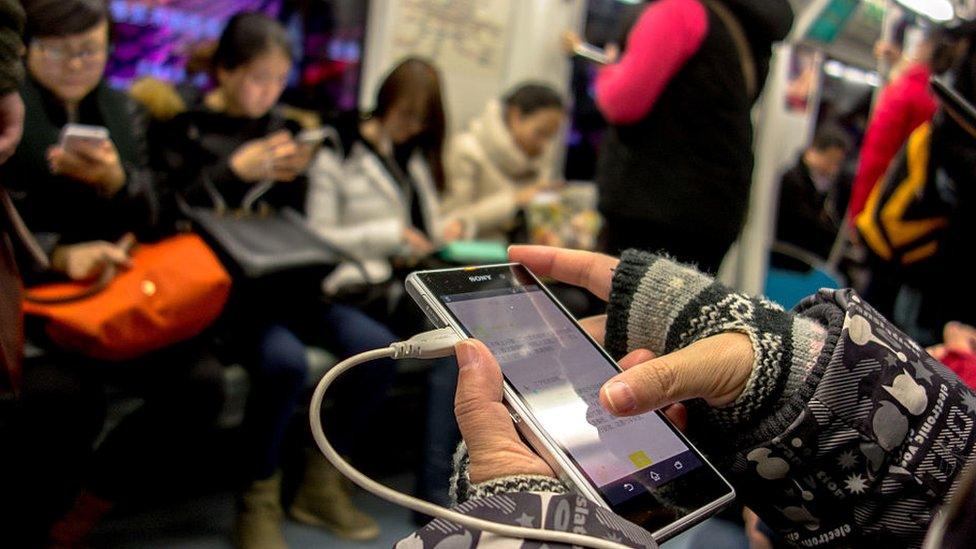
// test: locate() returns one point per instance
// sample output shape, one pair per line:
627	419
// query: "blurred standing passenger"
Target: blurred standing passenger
904	105
675	166
79	201
948	295
237	139
504	159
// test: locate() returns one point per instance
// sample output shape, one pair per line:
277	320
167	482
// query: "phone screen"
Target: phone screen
558	372
641	466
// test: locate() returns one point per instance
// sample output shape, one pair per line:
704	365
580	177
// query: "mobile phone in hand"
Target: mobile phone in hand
313	136
642	468
73	135
592	53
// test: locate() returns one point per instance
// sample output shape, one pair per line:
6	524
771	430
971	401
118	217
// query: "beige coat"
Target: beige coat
485	169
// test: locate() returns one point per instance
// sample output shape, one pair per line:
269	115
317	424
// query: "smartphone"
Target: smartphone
72	135
312	136
642	467
592	53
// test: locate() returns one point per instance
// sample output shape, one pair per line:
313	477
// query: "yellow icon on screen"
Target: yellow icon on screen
640	459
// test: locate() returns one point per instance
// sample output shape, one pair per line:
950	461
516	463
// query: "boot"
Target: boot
259	516
73	528
323	500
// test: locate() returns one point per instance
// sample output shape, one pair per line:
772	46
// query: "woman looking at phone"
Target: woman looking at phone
80	197
504	160
236	139
393	173
102	186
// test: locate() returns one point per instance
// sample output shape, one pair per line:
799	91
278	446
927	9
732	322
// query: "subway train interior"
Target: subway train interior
212	207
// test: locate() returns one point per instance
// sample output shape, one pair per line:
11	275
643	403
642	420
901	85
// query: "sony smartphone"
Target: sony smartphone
640	467
74	134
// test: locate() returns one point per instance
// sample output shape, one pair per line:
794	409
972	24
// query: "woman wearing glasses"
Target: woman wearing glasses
79	199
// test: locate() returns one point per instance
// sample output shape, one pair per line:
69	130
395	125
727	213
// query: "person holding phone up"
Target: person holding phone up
833	426
238	138
82	196
103	188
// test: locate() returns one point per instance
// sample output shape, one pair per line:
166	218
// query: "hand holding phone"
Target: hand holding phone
553	378
495	449
277	157
594	54
82	137
312	136
87	154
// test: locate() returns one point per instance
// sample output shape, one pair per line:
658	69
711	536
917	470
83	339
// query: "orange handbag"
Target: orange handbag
174	290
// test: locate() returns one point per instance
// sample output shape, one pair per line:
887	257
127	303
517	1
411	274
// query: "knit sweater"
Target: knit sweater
847	432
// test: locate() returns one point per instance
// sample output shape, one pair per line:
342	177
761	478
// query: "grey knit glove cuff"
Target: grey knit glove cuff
660	305
461	489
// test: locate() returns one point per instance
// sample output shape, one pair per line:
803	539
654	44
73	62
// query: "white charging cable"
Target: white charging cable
428	345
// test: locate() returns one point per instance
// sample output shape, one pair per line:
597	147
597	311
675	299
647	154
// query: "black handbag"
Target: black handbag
256	243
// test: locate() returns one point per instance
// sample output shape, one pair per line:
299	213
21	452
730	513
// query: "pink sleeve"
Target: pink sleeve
667	34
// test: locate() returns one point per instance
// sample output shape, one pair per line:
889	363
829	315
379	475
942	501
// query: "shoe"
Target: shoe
260	516
323	500
72	529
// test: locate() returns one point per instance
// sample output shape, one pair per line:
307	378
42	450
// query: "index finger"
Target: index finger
589	270
93	153
279	137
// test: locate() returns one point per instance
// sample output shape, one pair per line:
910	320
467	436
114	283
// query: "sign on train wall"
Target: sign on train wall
462	36
482	47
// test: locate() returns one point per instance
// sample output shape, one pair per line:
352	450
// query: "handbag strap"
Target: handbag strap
331	136
22	233
109	272
254	194
732	24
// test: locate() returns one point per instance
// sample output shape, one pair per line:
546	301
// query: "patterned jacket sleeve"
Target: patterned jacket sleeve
848	433
559	512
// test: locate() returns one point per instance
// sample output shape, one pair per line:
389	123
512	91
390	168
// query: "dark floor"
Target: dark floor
205	523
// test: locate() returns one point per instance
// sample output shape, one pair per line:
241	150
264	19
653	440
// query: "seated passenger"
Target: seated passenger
79	201
381	204
389	182
503	160
236	139
810	213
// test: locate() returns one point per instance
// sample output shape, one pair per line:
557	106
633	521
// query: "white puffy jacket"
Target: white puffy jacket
357	205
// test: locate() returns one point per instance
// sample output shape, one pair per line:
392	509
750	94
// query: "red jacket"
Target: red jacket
963	364
904	105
